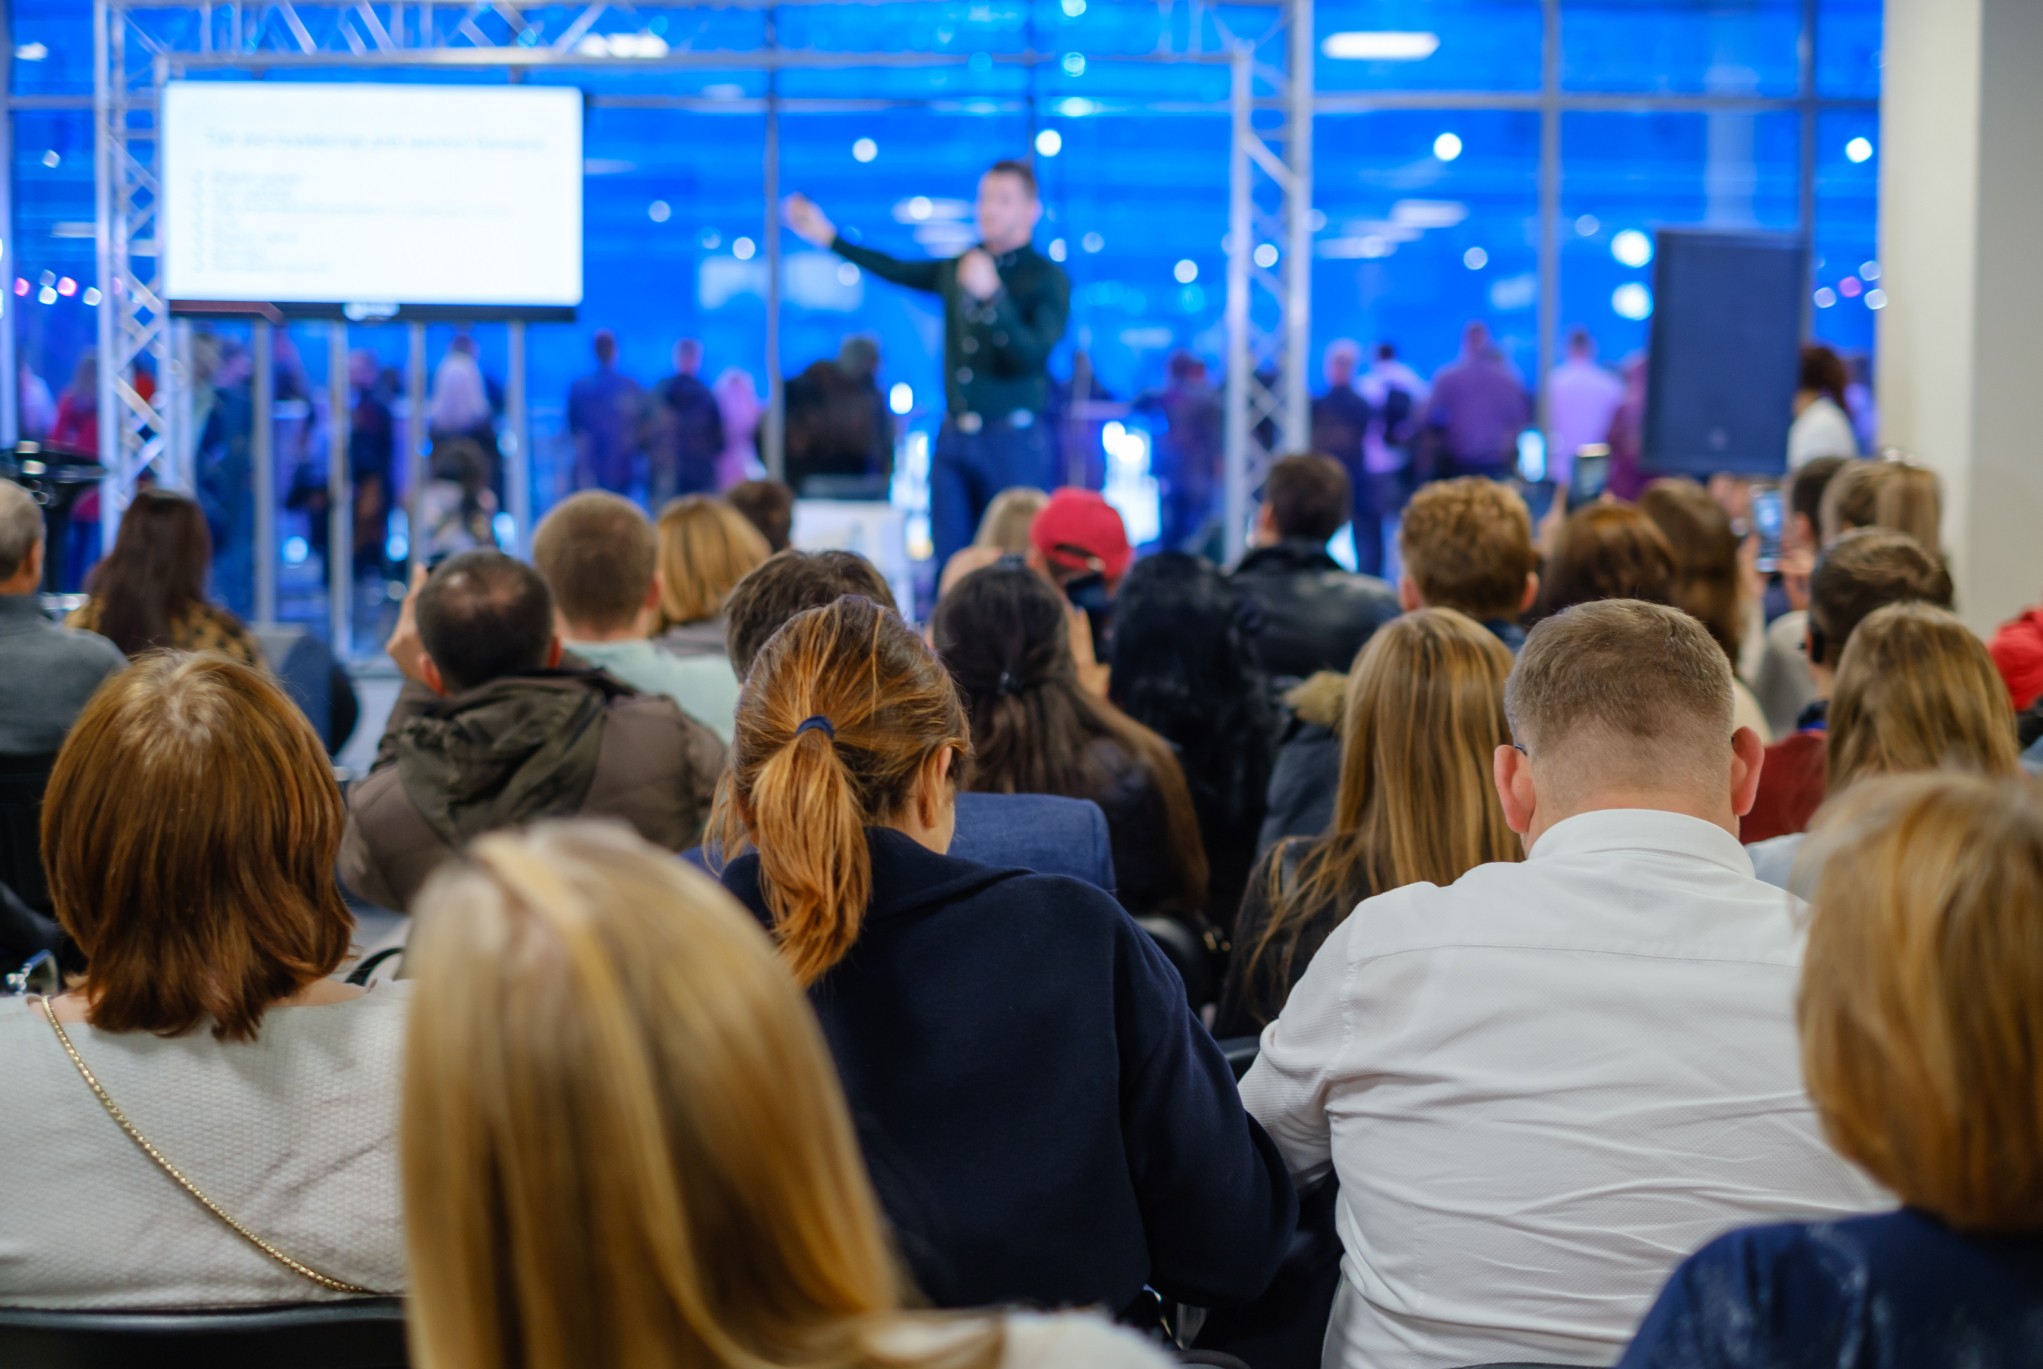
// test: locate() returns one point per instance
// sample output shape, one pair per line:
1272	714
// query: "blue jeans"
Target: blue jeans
969	469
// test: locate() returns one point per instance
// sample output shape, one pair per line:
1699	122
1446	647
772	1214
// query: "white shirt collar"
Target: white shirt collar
1642	829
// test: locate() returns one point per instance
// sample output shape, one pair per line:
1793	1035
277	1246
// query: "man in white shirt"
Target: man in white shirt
1544	1085
1582	399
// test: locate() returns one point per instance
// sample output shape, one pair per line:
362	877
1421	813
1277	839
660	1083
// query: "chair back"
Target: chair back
1187	954
364	1333
22	782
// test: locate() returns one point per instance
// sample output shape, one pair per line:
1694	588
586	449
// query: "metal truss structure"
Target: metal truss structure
141	44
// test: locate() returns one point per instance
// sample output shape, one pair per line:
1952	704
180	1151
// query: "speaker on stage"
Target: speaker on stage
1725	351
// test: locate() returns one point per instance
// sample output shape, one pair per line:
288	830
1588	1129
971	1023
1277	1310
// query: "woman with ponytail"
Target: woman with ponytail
1045	1121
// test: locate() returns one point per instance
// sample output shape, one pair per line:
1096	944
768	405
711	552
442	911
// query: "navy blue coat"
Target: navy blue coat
1044	1119
1051	836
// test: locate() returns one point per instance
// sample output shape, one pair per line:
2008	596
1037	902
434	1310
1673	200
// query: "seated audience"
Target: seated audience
1313	615
1709	580
705	548
1466	544
1079	543
1781	682
1424	714
599	554
1045	1120
1540	1084
46	672
1005	636
1922	1064
200	921
150	591
1184	666
1607	551
768	506
625	1144
1052	836
1888	493
1862	571
1004	531
1915	691
501	734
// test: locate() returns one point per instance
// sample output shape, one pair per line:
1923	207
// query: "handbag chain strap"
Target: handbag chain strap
113	1110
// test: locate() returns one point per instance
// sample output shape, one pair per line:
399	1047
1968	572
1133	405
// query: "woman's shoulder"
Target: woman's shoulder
208	627
1031	1340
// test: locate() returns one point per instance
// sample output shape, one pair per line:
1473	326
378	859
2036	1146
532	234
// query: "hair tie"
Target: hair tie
819	723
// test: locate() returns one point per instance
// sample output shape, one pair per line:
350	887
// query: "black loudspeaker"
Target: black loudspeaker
1725	351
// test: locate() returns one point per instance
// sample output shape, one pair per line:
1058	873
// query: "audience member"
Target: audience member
1189	457
1080	543
1313	615
1915	691
1423	715
1710	580
190	830
739	405
1889	493
1583	397
638	1075
1043	833
705	548
2017	648
1009	518
1607	551
1006	638
1509	1075
599	555
1467	545
840	432
150	590
46	672
604	412
1479	407
1781	683
1822	426
1019	1057
1184	665
685	431
1919	1017
460	408
768	506
1862	571
492	732
1397	403
457	509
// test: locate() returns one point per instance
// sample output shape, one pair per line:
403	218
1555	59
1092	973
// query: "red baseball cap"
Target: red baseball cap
1079	530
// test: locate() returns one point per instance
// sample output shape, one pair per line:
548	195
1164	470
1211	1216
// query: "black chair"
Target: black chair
1241	1052
22	782
1187	954
367	1333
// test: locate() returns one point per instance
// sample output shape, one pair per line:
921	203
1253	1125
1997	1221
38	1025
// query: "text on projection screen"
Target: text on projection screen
375	194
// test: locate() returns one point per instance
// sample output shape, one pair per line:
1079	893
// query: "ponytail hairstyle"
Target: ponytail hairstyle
843	714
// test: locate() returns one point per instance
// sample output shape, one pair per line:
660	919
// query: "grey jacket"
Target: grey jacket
46	675
554	743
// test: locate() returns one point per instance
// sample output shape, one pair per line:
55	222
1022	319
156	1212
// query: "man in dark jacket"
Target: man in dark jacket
502	733
1315	615
1340	426
685	431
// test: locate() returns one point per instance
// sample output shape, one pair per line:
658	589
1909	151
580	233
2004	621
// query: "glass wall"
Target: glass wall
1464	169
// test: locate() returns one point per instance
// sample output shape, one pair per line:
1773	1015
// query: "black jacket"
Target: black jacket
1315	615
1044	1119
1308	769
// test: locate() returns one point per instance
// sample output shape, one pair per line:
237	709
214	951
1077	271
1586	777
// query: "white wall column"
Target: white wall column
1961	251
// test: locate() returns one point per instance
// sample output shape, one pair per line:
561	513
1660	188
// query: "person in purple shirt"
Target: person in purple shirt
603	413
1479	408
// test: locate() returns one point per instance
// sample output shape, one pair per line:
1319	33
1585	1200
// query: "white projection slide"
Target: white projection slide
356	198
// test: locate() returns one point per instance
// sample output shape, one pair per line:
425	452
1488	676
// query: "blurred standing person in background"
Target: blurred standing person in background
1340	426
739	407
1005	307
459	408
685	430
223	463
372	457
1397	397
1189	451
76	425
38	406
604	409
1628	431
840	433
1822	425
1583	398
1479	408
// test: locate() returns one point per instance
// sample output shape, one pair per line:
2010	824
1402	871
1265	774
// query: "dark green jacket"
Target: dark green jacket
996	352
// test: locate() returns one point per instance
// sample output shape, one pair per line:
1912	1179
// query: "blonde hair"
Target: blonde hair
1009	518
1467	545
1917	691
623	1138
706	547
1887	493
1922	993
1424	714
844	714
